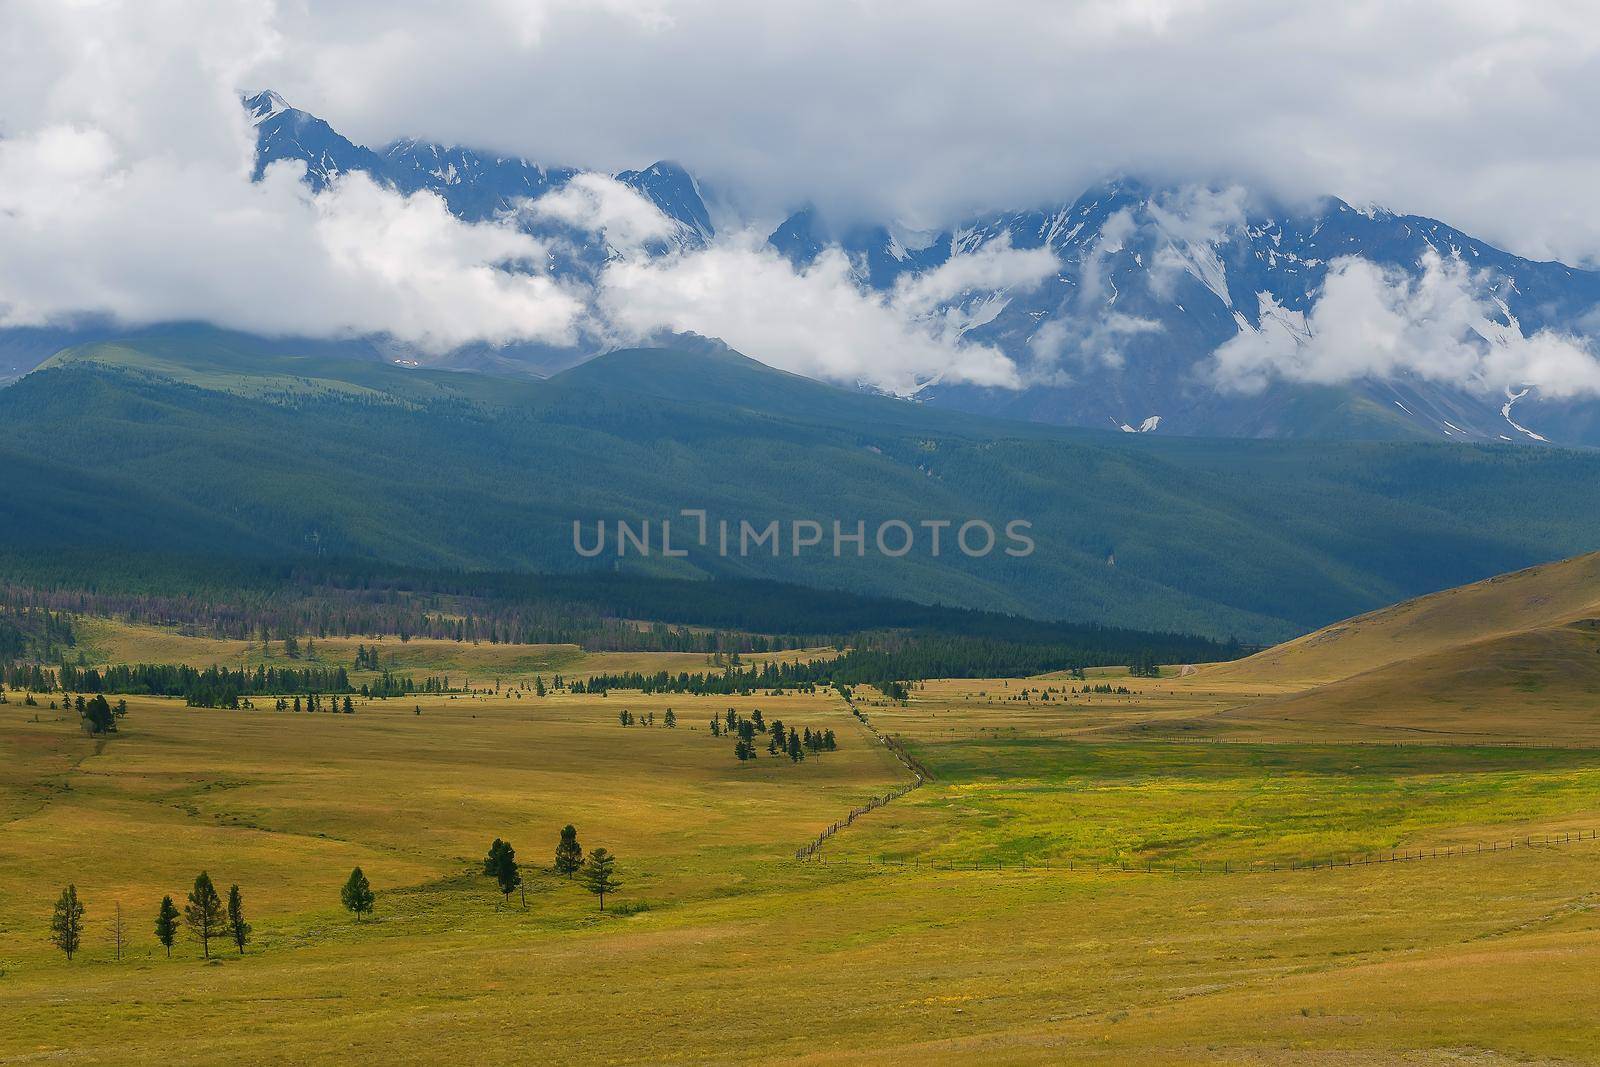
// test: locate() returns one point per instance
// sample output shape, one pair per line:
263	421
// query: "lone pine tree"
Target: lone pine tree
238	929
66	924
597	876
167	924
501	864
569	854
357	895
203	912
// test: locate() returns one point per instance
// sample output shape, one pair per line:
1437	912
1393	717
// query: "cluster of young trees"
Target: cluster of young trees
97	714
887	665
628	718
206	915
781	740
1145	665
219	683
399	685
596	873
29	677
315	702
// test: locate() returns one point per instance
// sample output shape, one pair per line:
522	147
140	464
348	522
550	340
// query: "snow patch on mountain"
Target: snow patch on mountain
1505	411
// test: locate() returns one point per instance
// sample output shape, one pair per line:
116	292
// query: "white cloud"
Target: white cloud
125	191
1373	322
1083	341
992	267
599	204
125	159
1199	215
819	321
1465	110
1087	330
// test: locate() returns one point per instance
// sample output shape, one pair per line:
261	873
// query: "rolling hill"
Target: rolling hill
1513	658
1552	595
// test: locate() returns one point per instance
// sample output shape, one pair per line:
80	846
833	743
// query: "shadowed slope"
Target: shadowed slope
1548	595
1540	686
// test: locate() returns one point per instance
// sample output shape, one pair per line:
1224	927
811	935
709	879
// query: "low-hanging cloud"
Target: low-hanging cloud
125	192
819	320
110	206
991	267
1086	330
1369	321
599	204
125	163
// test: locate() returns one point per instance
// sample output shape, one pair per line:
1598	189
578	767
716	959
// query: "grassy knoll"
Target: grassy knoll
1537	685
1548	595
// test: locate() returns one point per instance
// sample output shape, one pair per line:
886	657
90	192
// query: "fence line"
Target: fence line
1216	867
919	775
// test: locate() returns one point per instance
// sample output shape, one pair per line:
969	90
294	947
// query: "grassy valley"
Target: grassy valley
1100	868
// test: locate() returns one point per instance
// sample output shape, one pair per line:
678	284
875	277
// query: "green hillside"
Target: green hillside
199	441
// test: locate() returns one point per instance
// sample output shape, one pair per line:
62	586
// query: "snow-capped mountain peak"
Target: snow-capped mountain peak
1221	308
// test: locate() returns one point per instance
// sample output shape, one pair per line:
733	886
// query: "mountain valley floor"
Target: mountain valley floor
946	925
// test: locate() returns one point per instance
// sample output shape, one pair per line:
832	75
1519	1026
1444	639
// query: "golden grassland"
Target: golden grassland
733	952
470	665
1552	594
822	962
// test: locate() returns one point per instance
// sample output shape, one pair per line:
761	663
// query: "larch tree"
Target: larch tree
238	929
167	924
598	875
502	864
357	895
569	854
203	912
66	924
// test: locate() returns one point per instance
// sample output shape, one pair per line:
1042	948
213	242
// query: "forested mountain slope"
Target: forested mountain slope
196	440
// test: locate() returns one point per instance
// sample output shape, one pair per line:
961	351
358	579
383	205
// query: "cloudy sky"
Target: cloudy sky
123	168
1476	111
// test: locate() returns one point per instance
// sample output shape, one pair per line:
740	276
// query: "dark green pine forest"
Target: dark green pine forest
193	444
